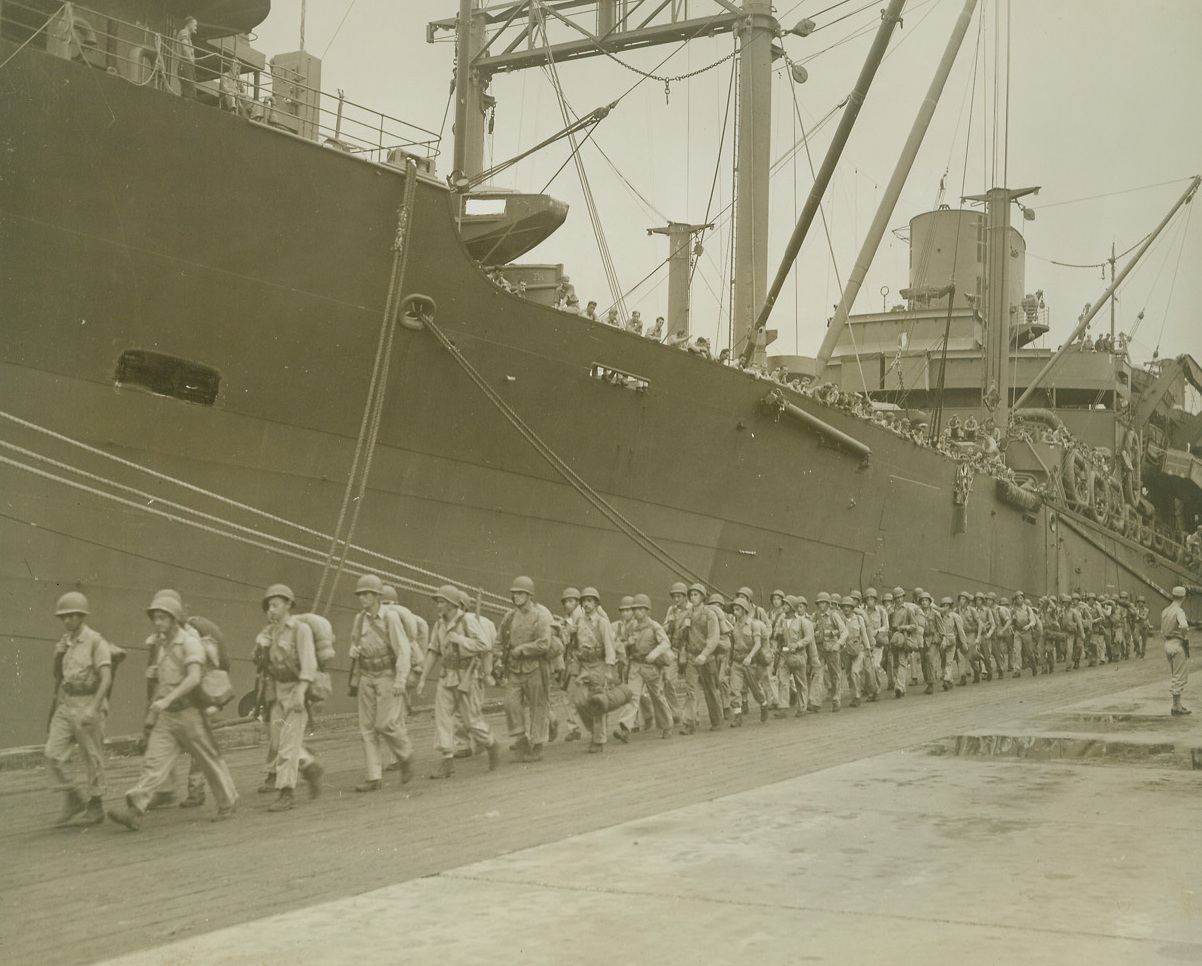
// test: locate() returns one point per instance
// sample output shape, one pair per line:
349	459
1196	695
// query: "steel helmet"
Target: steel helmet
72	602
642	600
369	584
678	588
899	592
856	596
791	600
168	592
870	592
590	592
465	600
716	598
1123	593
1141	599
1018	594
979	595
168	605
522	585
626	603
775	593
918	592
888	596
1065	599
847	602
571	593
992	596
965	594
822	598
700	588
388	594
746	593
1005	601
799	599
278	590
739	602
206	628
946	602
448	593
925	596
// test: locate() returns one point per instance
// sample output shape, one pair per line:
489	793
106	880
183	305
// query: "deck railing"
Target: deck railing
226	74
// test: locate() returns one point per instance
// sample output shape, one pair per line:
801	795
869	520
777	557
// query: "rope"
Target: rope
611	513
375	404
28	40
150	498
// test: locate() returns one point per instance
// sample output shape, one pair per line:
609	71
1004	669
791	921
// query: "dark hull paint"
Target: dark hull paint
131	219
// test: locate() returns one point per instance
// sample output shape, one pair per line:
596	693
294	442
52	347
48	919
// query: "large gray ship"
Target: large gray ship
243	341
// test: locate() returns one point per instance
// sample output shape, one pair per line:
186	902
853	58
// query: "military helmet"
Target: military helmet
626	603
716	598
870	592
856	596
72	602
888	596
924	595
739	602
206	628
168	592
965	594
569	593
946	602
465	600
1018	594
1141	599
1123	594
388	594
790	600
800	599
847	602
680	587
168	605
590	592
278	590
1005	601
899	592
522	585
369	584
822	597
776	593
1065	599
1076	597
448	593
642	600
979	595
991	596
699	588
746	592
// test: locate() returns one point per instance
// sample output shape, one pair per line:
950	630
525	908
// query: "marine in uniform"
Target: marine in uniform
798	652
527	652
285	648
1175	628
954	644
383	652
830	635
179	723
749	662
1140	625
83	670
674	627
905	637
457	646
932	641
650	654
856	652
597	658
701	640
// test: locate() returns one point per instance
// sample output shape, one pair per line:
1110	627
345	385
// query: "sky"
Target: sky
1105	114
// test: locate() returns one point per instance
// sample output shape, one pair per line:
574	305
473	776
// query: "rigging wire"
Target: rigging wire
1111	194
350	7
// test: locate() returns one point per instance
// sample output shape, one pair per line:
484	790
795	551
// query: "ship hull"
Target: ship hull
134	220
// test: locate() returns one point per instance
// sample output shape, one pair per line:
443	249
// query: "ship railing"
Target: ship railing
227	75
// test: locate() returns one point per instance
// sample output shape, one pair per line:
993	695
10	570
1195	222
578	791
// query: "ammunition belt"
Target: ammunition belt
79	690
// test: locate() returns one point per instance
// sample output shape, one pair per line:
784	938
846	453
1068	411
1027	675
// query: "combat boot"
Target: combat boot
929	689
494	755
285	801
622	733
406	771
312	775
552	729
75	804
128	816
162	800
93	814
371	785
268	786
763	713
521	747
535	753
855	702
738	720
196	798
446	769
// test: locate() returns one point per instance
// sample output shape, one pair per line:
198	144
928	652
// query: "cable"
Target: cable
350	7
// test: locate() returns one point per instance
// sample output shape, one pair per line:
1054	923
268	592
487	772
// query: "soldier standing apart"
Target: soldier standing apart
650	654
1175	628
186	58
698	656
527	671
457	646
596	655
285	648
179	724
83	668
383	652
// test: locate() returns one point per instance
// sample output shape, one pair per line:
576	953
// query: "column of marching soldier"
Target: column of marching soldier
706	662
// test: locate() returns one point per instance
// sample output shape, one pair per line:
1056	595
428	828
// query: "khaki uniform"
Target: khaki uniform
460	644
182	728
82	657
528	677
798	656
650	654
290	657
384	652
749	640
830	634
701	643
1175	628
596	656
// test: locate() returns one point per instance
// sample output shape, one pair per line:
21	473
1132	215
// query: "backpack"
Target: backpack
323	638
417	629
